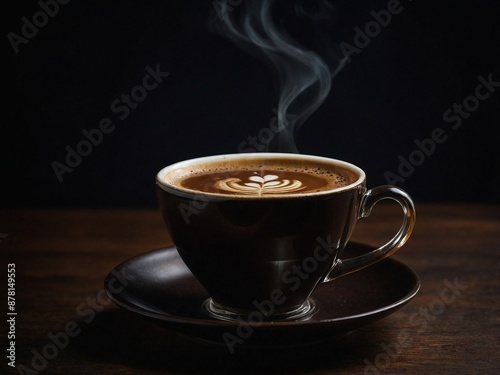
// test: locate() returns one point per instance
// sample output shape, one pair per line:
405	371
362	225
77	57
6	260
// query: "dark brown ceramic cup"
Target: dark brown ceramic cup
260	247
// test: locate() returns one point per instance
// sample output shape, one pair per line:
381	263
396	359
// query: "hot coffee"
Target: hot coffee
265	229
260	179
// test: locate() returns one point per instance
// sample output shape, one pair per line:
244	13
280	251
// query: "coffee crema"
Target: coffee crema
260	178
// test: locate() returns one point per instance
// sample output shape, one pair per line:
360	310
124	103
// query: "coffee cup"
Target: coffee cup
260	231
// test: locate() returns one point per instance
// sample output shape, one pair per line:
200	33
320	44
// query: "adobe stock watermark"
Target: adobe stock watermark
60	340
261	141
222	7
292	278
122	107
453	116
254	143
31	27
420	320
372	29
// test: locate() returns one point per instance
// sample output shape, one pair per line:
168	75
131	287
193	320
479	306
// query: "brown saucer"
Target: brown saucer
158	286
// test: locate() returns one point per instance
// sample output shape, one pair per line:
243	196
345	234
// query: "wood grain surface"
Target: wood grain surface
65	324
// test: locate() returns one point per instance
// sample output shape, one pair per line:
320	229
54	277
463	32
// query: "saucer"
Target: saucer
158	286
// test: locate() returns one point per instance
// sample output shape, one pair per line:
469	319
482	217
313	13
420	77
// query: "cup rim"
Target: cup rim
166	186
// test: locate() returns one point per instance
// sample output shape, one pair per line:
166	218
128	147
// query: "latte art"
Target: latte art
263	178
268	184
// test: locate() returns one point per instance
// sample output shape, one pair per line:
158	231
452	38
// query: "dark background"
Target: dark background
394	92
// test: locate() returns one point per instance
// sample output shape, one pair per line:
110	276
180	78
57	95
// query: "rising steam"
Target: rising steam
304	77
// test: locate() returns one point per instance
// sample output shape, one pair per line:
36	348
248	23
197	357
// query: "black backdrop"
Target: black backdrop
62	77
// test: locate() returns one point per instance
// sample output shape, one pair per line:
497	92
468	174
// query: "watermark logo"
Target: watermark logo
420	320
380	20
30	28
60	340
122	107
253	143
454	116
293	279
261	141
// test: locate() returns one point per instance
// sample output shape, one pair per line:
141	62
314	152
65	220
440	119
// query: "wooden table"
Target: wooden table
61	258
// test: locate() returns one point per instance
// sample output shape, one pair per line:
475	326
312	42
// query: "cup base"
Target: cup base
214	310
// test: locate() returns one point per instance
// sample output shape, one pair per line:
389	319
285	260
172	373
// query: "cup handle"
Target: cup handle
371	198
